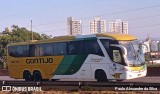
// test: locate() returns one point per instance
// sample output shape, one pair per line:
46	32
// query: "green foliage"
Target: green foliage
18	35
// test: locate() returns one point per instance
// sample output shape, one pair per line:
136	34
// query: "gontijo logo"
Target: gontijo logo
13	88
39	60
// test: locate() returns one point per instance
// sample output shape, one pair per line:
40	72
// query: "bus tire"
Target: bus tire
27	76
100	75
119	80
37	76
45	79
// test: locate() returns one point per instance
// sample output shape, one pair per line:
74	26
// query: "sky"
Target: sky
50	16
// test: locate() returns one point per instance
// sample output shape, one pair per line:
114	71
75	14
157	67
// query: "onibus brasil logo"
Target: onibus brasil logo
17	88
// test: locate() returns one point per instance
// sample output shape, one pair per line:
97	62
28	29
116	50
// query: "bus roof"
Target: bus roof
115	36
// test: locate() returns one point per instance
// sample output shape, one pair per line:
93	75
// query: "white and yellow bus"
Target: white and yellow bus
99	57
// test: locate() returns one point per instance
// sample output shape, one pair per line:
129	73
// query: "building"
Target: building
154	45
97	26
74	26
118	26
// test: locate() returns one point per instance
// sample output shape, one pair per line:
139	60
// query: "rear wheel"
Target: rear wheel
37	76
119	80
27	76
101	76
45	79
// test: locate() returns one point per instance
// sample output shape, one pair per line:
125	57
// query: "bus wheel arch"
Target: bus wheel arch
27	75
37	75
100	75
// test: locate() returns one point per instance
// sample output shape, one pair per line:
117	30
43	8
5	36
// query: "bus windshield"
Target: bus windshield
134	55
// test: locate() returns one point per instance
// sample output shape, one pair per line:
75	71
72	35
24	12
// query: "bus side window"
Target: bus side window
71	48
22	51
12	50
34	50
75	47
60	48
46	49
106	45
79	47
92	47
31	50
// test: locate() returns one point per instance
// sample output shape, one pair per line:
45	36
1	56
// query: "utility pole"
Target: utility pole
31	30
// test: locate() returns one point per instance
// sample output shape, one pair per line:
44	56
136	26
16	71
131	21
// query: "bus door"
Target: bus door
117	66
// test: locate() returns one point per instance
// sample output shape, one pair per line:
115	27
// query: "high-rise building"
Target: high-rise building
118	26
97	26
74	26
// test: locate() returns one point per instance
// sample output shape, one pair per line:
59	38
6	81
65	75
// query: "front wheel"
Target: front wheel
101	76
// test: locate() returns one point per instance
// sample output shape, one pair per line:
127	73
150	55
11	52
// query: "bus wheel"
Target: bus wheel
100	76
119	80
37	76
45	79
27	76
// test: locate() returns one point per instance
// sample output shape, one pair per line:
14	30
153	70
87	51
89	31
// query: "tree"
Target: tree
17	35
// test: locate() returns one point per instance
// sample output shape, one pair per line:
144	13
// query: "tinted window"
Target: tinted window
34	50
22	51
92	47
75	47
60	48
12	50
46	49
18	51
106	45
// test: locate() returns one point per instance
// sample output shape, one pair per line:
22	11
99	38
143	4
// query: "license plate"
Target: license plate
139	74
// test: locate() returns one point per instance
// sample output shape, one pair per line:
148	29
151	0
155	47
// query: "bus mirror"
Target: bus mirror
144	47
124	50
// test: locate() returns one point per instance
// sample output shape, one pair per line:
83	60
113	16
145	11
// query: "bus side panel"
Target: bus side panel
17	66
87	69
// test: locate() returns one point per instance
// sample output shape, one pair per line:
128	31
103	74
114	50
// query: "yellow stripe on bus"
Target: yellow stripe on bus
137	68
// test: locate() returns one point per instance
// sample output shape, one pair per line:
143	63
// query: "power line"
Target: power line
46	23
88	26
126	11
141	18
154	25
120	12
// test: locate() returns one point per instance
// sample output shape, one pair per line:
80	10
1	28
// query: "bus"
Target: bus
95	57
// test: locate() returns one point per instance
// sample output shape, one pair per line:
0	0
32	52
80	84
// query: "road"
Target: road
146	79
145	82
143	79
